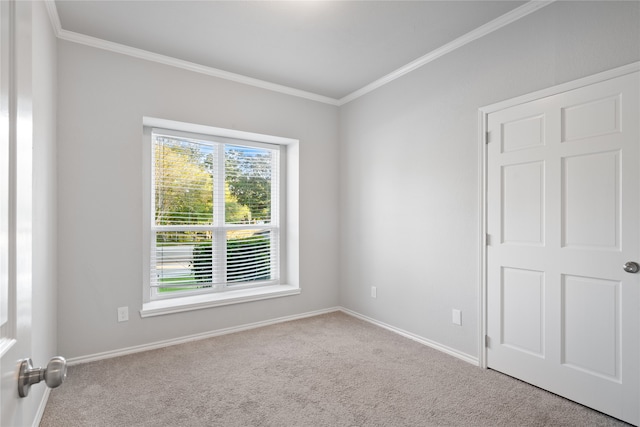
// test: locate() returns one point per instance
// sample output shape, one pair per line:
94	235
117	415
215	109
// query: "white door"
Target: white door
563	217
15	207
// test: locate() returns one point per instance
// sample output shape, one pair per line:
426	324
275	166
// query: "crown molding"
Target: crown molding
506	19
52	11
479	32
190	66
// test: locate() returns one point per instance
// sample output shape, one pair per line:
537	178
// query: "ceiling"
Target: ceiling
328	48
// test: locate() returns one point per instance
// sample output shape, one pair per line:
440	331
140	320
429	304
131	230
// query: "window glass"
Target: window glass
215	215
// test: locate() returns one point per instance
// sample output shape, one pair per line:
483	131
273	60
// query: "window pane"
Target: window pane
248	179
183	181
183	260
196	182
249	256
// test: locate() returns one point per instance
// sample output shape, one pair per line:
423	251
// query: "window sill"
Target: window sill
197	302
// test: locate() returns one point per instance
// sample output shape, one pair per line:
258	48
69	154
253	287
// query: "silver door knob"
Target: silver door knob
631	267
53	375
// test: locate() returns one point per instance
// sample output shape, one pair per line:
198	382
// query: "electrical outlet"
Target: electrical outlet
123	314
457	317
374	292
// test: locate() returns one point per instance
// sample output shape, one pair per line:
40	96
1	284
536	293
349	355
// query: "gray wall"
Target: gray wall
102	99
409	163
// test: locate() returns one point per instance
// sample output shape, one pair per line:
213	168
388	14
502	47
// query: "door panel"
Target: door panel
522	310
590	119
563	217
15	73
591	195
600	298
523	133
522	203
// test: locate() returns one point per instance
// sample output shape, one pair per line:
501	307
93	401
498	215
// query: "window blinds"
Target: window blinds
215	216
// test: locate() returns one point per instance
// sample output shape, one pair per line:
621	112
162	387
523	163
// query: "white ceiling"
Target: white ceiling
329	48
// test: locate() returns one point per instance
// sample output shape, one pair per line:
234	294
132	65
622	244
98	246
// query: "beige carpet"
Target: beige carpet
329	370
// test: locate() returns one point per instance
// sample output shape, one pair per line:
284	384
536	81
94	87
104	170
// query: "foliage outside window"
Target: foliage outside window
215	220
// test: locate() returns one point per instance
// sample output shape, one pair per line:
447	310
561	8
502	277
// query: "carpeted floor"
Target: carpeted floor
329	370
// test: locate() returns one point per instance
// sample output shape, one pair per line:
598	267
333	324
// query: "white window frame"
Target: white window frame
287	221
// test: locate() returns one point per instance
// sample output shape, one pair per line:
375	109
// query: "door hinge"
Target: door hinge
488	239
487	137
487	341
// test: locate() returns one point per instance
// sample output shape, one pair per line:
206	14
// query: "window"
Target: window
215	208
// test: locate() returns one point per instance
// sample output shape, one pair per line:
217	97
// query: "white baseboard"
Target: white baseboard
437	346
43	404
175	341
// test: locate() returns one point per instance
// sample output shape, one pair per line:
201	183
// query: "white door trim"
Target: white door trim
483	113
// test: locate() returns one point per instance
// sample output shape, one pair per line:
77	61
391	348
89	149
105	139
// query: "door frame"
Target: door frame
483	114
